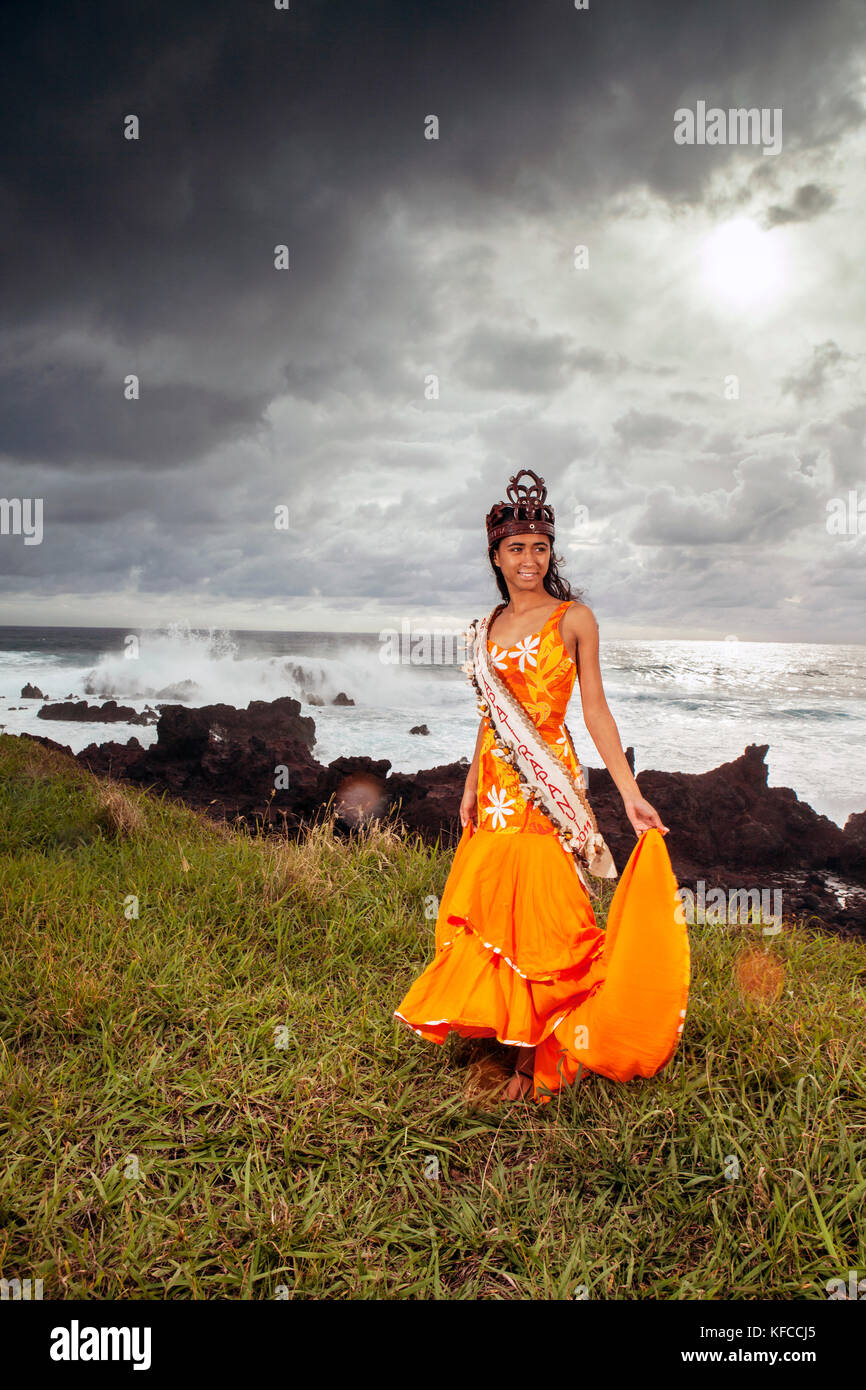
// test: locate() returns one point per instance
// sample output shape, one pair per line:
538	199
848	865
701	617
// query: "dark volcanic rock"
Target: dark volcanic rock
730	830
32	692
108	713
854	851
429	801
727	816
358	786
226	760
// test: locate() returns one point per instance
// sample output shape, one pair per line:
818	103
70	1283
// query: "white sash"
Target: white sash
545	781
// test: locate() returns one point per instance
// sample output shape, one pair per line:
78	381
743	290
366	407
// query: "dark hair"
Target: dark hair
554	583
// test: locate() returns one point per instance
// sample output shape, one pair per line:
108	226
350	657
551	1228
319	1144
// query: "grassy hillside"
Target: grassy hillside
161	1137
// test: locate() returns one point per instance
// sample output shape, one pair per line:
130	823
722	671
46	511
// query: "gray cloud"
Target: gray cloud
74	415
412	257
648	431
810	379
809	201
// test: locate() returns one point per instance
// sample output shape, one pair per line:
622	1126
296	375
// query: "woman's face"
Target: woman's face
524	561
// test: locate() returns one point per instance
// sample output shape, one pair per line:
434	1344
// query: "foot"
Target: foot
522	1081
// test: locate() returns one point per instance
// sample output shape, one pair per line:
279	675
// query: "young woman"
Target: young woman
519	955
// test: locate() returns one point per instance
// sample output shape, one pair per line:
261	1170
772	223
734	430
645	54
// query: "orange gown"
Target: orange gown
518	953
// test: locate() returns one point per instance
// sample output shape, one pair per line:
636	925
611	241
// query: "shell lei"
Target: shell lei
594	845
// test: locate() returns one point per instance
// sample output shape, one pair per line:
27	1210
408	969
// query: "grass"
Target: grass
205	1094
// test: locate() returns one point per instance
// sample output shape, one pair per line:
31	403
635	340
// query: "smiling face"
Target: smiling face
524	561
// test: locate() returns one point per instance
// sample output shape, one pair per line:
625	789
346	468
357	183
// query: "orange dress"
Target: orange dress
519	955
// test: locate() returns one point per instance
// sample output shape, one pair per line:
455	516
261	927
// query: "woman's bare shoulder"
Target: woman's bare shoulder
579	618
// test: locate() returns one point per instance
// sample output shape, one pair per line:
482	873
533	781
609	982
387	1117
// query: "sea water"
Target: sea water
684	706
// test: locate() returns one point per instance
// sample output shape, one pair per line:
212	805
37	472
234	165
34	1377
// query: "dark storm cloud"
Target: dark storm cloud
68	414
260	127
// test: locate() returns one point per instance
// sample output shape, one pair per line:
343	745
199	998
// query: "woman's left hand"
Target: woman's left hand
643	816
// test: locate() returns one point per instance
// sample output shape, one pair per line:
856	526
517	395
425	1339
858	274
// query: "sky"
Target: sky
317	436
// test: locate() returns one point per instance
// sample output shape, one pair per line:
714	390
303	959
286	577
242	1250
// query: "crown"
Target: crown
526	510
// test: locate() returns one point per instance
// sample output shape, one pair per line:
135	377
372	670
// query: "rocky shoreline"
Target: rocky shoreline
728	829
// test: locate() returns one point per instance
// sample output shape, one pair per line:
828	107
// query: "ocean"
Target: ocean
684	706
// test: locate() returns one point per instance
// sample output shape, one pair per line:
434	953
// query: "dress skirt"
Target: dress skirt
520	957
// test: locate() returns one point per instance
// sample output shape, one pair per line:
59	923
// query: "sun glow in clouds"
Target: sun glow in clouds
742	267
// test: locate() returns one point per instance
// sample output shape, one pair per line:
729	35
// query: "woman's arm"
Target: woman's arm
580	635
472	774
468	806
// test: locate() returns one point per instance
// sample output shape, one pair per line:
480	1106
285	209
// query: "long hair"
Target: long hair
554	583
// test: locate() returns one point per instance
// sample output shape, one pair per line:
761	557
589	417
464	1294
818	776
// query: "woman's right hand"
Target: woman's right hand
469	808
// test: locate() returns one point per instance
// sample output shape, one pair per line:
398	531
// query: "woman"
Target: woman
519	955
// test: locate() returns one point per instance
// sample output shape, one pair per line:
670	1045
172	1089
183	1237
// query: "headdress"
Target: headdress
526	510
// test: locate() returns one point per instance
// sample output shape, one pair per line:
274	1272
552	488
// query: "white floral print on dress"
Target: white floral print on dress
499	806
525	651
562	747
497	656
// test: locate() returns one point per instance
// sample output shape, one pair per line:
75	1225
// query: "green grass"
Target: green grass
294	1164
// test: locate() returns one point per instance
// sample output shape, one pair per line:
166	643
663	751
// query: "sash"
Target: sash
545	781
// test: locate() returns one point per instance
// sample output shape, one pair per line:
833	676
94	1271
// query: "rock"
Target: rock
419	729
109	712
854	852
32	692
429	801
225	760
729	829
342	699
358	787
178	691
730	815
112	759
